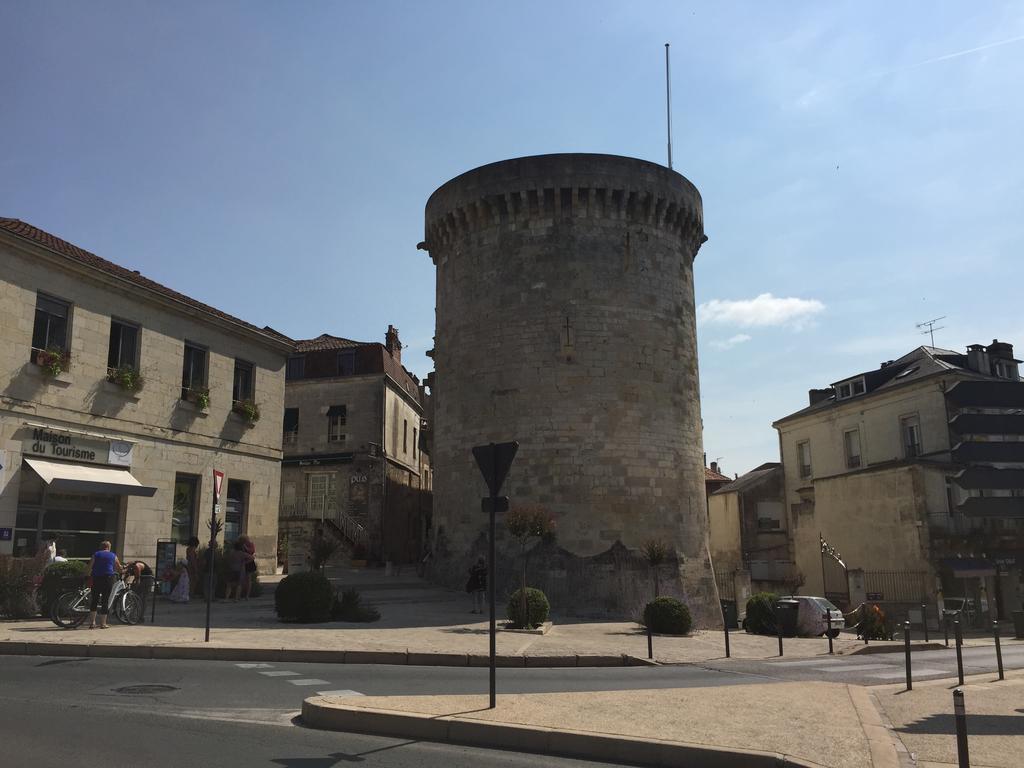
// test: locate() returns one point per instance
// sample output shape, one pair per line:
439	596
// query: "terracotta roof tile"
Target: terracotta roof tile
53	243
711	475
326	342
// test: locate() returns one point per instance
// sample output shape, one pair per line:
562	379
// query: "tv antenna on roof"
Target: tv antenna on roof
931	329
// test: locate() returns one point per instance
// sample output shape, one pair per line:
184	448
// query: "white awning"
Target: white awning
88	479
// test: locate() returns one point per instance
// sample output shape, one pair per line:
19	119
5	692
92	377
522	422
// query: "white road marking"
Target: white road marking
852	667
900	674
344	692
309	681
254	666
280	673
804	663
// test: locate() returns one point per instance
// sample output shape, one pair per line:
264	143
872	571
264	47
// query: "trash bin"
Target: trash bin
1018	624
786	612
729	614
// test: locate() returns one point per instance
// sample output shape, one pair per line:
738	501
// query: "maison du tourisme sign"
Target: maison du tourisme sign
70	447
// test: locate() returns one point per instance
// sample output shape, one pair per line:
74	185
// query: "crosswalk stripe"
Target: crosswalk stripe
852	667
343	692
900	674
254	666
309	681
280	673
803	663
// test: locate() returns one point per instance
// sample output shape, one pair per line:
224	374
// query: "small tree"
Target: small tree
655	553
527	524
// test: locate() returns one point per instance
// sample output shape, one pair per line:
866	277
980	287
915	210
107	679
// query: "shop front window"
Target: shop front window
236	510
80	521
186	500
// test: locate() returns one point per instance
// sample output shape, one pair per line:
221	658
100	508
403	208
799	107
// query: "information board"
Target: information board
166	560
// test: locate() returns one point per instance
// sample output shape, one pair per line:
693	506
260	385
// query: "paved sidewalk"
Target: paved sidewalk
738	725
420	624
923	720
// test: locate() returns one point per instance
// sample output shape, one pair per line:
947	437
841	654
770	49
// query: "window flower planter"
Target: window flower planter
247	409
54	361
127	378
200	398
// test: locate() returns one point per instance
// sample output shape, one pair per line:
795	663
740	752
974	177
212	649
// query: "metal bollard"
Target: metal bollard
650	643
963	759
828	631
924	620
726	625
959	654
906	653
999	650
864	622
778	628
945	628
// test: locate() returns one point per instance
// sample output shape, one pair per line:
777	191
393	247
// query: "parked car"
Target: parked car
811	620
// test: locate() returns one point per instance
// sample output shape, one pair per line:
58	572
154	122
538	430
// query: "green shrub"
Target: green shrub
761	613
537	608
304	597
17	586
351	608
667	616
59	578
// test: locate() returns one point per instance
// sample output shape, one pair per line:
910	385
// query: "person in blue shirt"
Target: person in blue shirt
103	567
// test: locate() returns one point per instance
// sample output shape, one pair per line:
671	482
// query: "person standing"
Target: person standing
249	564
477	584
192	562
103	567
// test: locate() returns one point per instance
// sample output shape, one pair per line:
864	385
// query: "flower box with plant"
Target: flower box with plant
126	377
199	397
247	409
53	360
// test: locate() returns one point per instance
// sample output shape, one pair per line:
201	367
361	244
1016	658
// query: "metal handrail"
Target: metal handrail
327	509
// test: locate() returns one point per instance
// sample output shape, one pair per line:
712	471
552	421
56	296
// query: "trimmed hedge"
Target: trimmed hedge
17	586
59	578
761	614
537	608
667	616
304	597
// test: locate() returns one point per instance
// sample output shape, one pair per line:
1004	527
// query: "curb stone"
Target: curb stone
318	713
306	655
881	741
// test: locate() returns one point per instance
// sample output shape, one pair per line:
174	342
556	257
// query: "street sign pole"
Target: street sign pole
211	552
494	461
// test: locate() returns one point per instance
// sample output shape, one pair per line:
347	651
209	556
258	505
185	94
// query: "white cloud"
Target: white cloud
731	342
763	310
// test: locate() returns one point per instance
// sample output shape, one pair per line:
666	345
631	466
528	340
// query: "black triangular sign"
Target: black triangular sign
494	461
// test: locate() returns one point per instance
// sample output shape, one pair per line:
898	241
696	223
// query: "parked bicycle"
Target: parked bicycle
72	608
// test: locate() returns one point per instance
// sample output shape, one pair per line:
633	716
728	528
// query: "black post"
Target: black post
152	594
725	623
963	759
999	651
828	631
864	622
490	597
211	563
924	620
906	652
945	628
650	643
959	654
778	628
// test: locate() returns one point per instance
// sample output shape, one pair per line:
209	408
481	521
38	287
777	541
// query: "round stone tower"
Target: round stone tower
565	320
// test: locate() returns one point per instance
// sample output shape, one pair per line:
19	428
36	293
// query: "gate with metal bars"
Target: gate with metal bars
896	586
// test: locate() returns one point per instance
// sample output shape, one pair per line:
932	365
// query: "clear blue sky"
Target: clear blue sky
861	163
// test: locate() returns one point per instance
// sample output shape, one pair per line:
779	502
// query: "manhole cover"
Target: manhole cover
145	689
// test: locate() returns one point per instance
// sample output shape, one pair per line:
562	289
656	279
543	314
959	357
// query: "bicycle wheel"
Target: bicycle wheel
70	609
129	608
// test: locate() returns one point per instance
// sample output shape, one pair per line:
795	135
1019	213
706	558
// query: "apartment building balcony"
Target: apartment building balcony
970	452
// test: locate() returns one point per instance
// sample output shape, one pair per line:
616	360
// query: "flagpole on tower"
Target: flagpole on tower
668	106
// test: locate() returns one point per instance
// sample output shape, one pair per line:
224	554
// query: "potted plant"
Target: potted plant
199	396
53	360
248	409
127	377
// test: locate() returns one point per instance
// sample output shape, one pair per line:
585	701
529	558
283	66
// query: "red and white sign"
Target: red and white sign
218	481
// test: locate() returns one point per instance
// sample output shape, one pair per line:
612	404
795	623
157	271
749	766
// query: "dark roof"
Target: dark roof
326	342
53	243
752	478
920	363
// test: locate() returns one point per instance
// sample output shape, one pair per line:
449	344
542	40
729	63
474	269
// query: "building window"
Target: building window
346	363
415	436
123	351
321	494
337	415
851	442
291	426
51	325
235	511
243	387
910	427
803	453
296	368
849	389
405	435
193	371
185	508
